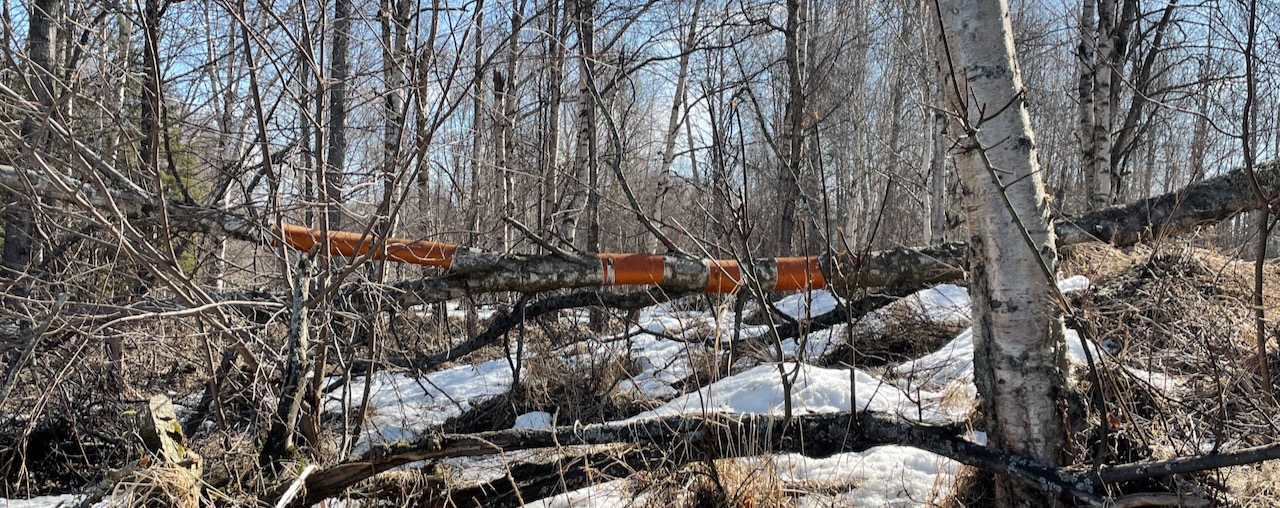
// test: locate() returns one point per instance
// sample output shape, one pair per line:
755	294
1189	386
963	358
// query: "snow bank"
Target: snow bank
815	390
403	406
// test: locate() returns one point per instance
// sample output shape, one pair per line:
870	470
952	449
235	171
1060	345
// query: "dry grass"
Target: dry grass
728	483
159	486
1255	485
1186	312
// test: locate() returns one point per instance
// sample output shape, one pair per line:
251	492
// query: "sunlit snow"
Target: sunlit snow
661	348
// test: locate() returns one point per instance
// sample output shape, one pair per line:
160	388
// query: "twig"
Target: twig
32	343
295	488
542	242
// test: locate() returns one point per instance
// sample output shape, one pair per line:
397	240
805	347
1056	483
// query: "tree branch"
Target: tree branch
681	439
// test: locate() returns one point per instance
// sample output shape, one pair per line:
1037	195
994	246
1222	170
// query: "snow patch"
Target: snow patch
882	476
534	420
403	406
612	494
806	305
62	501
815	390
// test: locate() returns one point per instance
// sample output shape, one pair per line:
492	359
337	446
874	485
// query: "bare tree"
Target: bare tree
1020	367
43	40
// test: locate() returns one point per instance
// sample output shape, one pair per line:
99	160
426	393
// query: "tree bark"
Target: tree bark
1101	195
335	160
1019	351
789	168
504	93
1086	59
42	49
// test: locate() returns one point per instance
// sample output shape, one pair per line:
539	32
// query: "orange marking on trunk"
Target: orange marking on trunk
724	276
347	244
795	274
632	269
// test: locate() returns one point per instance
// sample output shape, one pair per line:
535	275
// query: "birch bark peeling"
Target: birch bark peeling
1019	351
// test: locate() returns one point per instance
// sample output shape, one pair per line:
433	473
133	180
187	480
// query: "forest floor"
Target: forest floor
1170	329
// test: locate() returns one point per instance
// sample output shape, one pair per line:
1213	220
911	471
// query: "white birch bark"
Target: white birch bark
1019	354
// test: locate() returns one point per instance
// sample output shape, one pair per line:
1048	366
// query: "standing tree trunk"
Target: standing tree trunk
586	154
674	120
938	148
1102	195
504	94
548	190
1200	132
793	140
472	319
339	70
42	48
1019	359
1086	60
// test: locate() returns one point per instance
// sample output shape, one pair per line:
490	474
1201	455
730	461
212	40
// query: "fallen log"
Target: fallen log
681	439
471	271
677	440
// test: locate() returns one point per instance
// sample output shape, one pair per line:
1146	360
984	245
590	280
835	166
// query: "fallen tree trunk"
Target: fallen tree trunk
677	440
682	439
473	271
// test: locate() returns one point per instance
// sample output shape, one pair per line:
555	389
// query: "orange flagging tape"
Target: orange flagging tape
632	269
617	269
346	244
795	274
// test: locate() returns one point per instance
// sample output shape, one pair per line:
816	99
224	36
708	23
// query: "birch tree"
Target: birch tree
1018	340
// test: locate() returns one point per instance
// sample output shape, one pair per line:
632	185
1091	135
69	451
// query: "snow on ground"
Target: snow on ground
945	303
63	501
534	420
952	364
808	304
403	406
883	476
661	364
612	494
815	390
816	344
